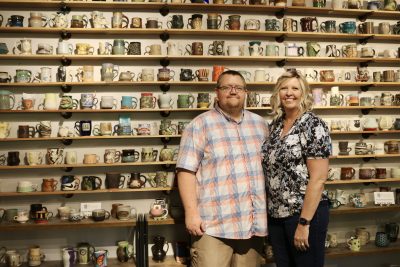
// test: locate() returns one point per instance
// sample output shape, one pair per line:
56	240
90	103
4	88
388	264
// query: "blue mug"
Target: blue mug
15	21
128	102
347	27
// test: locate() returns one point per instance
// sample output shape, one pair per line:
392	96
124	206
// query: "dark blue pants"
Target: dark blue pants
281	237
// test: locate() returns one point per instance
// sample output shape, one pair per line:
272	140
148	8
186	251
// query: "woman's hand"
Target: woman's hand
301	237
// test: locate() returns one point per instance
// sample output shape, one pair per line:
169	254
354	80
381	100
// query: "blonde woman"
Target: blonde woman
295	163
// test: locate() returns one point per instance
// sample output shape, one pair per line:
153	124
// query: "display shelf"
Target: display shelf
181	109
169	261
182	83
364	132
84	192
362	181
367	156
226	58
90	138
56	223
370	208
47	166
34	57
154	6
106	31
342	250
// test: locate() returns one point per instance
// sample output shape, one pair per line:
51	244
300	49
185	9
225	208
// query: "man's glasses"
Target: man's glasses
226	88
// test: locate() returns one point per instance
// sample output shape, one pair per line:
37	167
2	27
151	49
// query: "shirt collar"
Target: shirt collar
227	117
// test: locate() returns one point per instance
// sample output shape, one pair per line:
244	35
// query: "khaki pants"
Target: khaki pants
209	251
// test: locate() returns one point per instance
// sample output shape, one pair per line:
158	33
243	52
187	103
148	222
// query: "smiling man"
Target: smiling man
221	182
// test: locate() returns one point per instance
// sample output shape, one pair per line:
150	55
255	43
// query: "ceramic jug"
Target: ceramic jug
370	124
158	250
7	100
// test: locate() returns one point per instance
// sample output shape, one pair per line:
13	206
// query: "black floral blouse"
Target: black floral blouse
284	162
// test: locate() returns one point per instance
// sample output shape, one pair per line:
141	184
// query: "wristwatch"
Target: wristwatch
303	221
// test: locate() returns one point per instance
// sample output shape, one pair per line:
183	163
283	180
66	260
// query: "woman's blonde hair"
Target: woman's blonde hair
306	101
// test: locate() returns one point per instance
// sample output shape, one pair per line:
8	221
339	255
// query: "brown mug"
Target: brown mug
49	185
366	173
26	131
388	75
347	173
380	173
195	49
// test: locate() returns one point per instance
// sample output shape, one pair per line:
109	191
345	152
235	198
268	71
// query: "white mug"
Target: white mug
34	157
65	48
71	157
260	75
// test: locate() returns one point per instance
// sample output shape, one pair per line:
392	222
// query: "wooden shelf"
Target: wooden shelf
90	138
343	251
179	110
368	209
362	181
364	132
203	7
55	223
169	261
367	156
46	166
181	83
80	192
196	58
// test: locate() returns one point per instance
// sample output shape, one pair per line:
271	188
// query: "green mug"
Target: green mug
185	101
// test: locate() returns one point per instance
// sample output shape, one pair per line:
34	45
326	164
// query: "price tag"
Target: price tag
87	208
383	198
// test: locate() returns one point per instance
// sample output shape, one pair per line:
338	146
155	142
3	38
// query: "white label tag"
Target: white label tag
87	208
384	198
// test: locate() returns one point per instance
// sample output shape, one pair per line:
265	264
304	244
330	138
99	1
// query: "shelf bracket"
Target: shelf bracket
65	35
364	16
165	87
65	9
165	113
68	195
364	88
66	61
280	38
165	140
164	62
164	36
281	63
366	111
164	10
67	169
66	142
366	135
279	14
66	88
365	64
66	115
365	40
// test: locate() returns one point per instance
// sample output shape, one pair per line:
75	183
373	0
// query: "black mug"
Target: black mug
114	180
13	158
176	22
91	183
83	128
186	75
130	155
134	48
61	74
35	208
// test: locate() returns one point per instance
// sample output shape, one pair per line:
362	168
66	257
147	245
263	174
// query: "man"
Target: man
221	181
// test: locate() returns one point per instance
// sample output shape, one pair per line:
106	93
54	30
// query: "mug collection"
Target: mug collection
160	209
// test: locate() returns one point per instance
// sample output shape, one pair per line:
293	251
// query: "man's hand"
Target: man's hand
194	225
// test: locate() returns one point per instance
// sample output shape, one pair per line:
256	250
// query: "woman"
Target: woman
295	162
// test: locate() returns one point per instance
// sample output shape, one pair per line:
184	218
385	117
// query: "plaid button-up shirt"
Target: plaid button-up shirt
226	157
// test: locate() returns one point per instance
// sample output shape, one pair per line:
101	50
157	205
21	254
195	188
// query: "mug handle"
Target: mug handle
121	181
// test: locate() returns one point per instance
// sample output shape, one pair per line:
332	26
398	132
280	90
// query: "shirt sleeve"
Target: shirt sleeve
191	149
319	144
